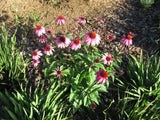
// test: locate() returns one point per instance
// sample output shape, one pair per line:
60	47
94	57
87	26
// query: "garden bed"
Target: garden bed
120	18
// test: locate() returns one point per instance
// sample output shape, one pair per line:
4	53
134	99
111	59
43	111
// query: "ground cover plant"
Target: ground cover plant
82	75
34	104
12	64
82	68
140	85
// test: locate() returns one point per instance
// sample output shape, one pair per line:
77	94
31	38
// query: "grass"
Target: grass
34	104
12	64
139	88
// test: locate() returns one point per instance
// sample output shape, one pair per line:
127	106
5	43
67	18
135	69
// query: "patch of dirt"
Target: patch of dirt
120	16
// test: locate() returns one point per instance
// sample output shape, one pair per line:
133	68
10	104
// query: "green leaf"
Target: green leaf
83	75
52	80
100	65
46	24
72	95
102	88
85	100
11	114
76	104
133	94
95	97
66	72
31	113
91	77
47	58
76	81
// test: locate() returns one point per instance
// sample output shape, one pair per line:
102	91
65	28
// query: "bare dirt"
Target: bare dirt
120	16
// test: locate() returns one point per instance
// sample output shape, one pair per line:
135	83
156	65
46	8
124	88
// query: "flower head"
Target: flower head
102	76
127	40
122	73
99	20
96	60
36	54
42	39
61	20
75	44
82	20
49	31
132	34
107	59
40	30
74	28
67	56
16	9
111	37
93	106
116	57
58	72
62	41
48	50
92	38
76	20
35	62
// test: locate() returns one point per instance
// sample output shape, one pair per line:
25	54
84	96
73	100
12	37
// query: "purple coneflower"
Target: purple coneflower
48	50
102	76
36	54
107	59
35	62
92	39
61	20
42	39
40	30
62	41
75	44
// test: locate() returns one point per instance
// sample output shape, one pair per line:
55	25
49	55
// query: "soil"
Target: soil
120	16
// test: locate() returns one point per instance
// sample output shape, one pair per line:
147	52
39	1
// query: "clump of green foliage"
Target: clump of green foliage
12	64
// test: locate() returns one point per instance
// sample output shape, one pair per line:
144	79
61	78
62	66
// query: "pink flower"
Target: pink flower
82	20
75	44
36	54
132	34
48	50
76	20
99	20
96	60
107	59
102	76
35	62
92	39
40	30
49	31
128	39
62	41
111	37
58	72
42	39
61	20
122	73
74	28
116	57
67	56
93	106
